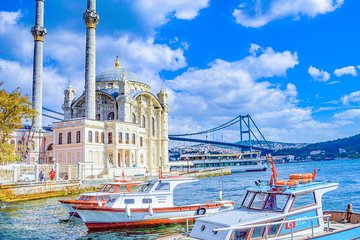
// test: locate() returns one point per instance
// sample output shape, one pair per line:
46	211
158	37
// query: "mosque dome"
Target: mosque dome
117	74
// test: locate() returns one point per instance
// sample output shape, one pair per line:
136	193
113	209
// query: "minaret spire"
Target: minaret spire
39	32
91	19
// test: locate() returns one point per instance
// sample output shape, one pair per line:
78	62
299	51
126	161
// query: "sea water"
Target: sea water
46	219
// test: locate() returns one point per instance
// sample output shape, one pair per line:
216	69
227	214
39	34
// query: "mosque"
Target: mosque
116	123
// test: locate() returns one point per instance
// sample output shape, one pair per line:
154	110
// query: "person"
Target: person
41	176
52	174
271	202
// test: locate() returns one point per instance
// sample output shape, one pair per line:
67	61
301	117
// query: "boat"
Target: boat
152	205
238	162
279	209
101	197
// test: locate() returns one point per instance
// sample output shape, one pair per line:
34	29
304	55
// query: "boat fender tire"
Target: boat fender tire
200	211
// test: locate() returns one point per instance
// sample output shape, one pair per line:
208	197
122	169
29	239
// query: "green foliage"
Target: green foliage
331	148
14	108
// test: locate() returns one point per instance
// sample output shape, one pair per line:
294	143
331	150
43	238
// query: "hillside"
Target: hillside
351	145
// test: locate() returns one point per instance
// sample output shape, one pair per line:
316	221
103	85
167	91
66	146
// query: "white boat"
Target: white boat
238	162
152	205
102	197
287	209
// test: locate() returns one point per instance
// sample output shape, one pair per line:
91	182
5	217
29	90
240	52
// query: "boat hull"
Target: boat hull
101	218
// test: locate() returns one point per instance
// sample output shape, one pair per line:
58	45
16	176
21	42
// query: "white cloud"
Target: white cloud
158	12
279	9
319	75
352	97
352	114
349	70
8	19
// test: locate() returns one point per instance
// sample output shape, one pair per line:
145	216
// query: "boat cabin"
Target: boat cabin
268	211
157	193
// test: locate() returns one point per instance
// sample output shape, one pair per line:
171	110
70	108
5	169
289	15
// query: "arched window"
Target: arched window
78	137
141	141
98	117
126	138
120	137
90	136
102	137
96	137
110	116
133	139
143	123
110	139
12	142
68	138
50	147
133	118
153	126
60	138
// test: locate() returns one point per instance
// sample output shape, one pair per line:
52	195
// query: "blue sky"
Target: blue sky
293	65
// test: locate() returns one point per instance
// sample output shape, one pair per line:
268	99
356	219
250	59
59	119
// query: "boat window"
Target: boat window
105	188
248	199
258	232
163	186
107	198
272	230
147	187
258	201
129	201
276	202
122	189
303	200
98	198
147	200
240	234
112	189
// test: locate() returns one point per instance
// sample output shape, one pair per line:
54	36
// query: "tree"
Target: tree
14	108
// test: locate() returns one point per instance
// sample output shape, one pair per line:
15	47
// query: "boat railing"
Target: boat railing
187	220
290	224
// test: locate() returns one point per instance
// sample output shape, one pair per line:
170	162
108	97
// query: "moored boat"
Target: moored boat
279	209
102	197
152	205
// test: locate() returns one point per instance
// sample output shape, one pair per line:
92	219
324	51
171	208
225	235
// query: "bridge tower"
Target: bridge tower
245	129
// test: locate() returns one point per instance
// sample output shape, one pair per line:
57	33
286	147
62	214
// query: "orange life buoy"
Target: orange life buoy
288	183
298	176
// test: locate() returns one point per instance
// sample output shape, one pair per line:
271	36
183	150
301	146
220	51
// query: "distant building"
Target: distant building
342	151
317	152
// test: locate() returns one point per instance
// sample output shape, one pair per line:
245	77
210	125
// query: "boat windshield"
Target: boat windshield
265	201
146	187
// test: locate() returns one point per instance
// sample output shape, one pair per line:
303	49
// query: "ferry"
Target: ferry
279	209
238	162
152	205
101	197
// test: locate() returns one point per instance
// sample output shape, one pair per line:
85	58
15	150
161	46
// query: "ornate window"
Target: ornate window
120	137
96	137
141	141
126	138
98	117
90	136
153	127
68	138
133	118
133	139
59	139
78	137
110	139
143	123
102	137
110	116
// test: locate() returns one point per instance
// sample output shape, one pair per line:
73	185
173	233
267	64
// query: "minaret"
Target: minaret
39	32
91	19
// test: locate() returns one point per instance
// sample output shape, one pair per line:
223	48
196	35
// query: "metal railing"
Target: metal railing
266	225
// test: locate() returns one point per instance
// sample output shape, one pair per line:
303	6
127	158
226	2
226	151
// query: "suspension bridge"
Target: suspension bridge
240	132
